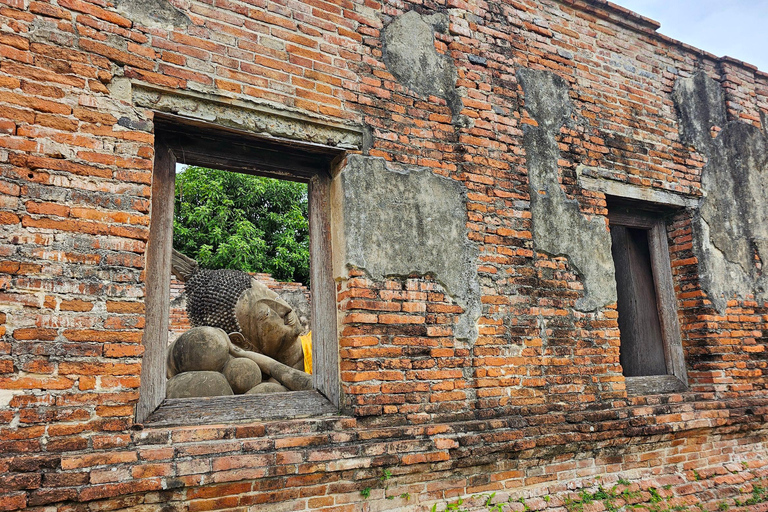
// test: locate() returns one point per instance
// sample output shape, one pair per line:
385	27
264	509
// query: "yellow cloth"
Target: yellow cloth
306	347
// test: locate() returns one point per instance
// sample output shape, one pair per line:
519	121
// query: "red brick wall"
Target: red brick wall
536	407
178	322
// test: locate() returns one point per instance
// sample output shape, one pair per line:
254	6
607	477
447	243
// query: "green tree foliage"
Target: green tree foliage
237	221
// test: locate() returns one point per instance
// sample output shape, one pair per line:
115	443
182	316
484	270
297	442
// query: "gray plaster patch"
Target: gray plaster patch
153	13
410	55
731	226
700	106
406	220
559	228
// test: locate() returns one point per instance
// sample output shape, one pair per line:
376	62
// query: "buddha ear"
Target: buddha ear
280	308
237	338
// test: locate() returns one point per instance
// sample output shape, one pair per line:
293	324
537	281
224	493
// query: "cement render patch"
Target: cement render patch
410	55
731	225
559	228
402	220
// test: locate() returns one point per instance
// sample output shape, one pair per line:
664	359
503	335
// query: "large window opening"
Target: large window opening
241	250
651	353
242	208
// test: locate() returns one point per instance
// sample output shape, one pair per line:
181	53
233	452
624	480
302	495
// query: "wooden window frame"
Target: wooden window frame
192	142
676	378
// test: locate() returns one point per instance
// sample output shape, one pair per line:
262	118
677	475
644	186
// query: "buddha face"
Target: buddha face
277	322
269	324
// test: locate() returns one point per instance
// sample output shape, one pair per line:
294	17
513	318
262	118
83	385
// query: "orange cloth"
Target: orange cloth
306	347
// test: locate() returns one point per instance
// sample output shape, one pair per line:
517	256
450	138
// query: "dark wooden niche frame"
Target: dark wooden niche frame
179	140
642	216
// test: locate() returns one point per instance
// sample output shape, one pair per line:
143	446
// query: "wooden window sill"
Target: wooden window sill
654	385
174	412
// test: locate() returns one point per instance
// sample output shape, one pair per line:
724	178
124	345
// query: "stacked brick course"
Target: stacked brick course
536	406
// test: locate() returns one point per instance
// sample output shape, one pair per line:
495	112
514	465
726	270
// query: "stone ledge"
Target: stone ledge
248	116
637	192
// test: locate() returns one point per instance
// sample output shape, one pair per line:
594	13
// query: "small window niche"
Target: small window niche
651	352
191	143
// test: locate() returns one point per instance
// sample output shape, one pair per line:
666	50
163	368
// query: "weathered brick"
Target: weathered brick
536	401
14	501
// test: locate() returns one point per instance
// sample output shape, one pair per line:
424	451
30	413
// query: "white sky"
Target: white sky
737	28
